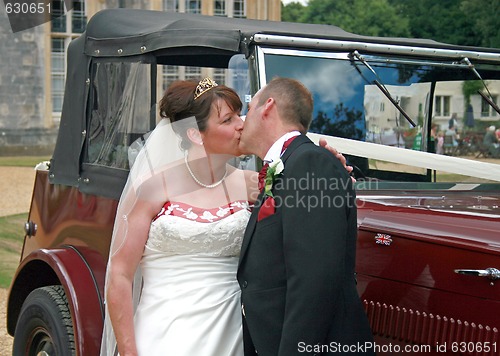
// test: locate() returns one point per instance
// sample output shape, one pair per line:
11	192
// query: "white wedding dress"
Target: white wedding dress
190	301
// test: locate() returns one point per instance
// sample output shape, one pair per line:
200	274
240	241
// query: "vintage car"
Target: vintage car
428	255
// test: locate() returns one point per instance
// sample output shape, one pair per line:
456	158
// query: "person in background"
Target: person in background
490	141
433	138
440	143
451	137
453	122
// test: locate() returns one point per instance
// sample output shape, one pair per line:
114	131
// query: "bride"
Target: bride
171	285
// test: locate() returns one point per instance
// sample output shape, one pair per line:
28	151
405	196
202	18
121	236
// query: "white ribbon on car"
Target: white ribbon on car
462	166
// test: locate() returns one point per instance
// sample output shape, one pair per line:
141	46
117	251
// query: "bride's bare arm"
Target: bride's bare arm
129	238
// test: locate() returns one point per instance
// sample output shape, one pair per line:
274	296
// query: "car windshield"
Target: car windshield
401	103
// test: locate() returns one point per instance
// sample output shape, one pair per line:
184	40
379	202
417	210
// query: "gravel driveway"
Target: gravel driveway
16	186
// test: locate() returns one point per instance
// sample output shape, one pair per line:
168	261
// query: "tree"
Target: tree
483	15
460	22
470	88
292	12
344	123
464	22
442	21
363	17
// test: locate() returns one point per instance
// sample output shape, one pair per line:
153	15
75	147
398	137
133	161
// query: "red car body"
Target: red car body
412	293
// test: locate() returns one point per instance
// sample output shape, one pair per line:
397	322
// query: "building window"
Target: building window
58	22
239	8
64	27
220	8
442	106
170	75
79	20
192	73
219	75
486	109
57	74
171	5
382	107
193	6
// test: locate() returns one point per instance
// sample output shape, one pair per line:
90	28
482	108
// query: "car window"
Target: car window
120	111
397	102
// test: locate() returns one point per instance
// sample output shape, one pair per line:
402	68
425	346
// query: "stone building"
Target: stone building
32	71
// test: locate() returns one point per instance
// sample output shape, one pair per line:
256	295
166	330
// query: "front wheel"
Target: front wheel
44	326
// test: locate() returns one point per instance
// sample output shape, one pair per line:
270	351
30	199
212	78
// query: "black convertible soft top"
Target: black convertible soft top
187	39
139	31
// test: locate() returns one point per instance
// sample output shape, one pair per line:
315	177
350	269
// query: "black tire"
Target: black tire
44	326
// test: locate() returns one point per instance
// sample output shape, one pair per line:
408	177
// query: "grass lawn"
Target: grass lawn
12	226
22	161
11	242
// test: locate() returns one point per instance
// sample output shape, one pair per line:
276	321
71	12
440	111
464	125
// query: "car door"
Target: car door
409	251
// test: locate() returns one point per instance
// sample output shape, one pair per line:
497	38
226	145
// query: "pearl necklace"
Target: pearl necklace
210	186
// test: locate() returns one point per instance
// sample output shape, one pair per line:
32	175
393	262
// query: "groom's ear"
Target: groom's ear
268	106
194	136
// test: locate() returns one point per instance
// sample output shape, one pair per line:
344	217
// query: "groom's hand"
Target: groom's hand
340	156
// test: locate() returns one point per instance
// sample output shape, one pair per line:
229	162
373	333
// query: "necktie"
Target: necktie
287	143
263	170
268	203
262	176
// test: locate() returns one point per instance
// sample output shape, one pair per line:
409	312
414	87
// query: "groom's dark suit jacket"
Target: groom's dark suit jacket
296	268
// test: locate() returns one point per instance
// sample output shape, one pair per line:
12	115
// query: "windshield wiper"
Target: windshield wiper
488	98
393	101
383	89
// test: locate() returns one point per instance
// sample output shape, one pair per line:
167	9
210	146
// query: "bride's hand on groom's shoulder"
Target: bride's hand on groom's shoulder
340	156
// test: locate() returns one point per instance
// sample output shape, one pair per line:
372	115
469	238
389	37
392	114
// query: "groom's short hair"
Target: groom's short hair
294	101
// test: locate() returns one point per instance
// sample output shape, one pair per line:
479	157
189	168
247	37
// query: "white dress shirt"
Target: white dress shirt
274	152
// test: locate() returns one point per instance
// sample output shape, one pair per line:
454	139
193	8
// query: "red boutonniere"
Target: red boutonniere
268	205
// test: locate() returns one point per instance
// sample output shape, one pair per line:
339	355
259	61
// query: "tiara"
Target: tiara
204	86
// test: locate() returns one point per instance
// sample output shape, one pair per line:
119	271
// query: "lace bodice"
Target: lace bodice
180	229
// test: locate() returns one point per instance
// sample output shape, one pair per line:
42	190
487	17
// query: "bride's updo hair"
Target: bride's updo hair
179	103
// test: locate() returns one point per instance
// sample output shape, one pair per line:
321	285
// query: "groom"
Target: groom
296	269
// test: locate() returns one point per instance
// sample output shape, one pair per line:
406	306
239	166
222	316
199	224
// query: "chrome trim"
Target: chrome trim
324	44
261	66
30	228
393	322
490	273
304	53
